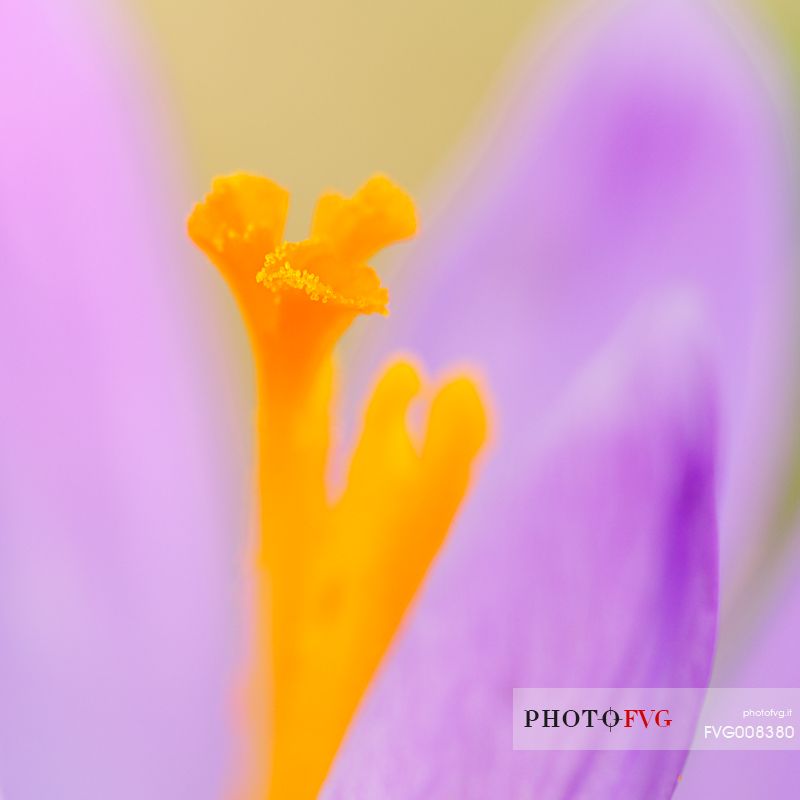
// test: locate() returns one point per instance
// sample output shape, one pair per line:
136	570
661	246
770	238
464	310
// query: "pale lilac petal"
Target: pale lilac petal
588	560
116	473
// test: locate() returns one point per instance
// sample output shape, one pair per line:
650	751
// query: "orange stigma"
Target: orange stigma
334	575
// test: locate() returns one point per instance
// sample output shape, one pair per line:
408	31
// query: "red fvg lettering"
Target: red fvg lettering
660	718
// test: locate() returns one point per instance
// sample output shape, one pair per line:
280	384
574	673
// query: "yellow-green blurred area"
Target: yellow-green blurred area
322	93
318	93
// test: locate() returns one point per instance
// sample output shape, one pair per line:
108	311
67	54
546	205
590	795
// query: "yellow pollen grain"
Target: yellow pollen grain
287	277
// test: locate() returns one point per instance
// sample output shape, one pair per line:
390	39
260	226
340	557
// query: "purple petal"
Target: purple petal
116	485
768	655
586	560
639	154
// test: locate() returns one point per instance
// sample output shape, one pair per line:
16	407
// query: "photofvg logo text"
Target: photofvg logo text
610	718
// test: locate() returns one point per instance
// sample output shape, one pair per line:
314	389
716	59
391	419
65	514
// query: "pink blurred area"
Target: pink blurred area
122	490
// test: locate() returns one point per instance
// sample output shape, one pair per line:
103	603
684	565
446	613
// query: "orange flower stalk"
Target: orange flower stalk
334	575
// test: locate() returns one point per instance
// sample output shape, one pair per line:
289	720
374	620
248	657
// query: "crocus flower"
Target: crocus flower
118	473
584	550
